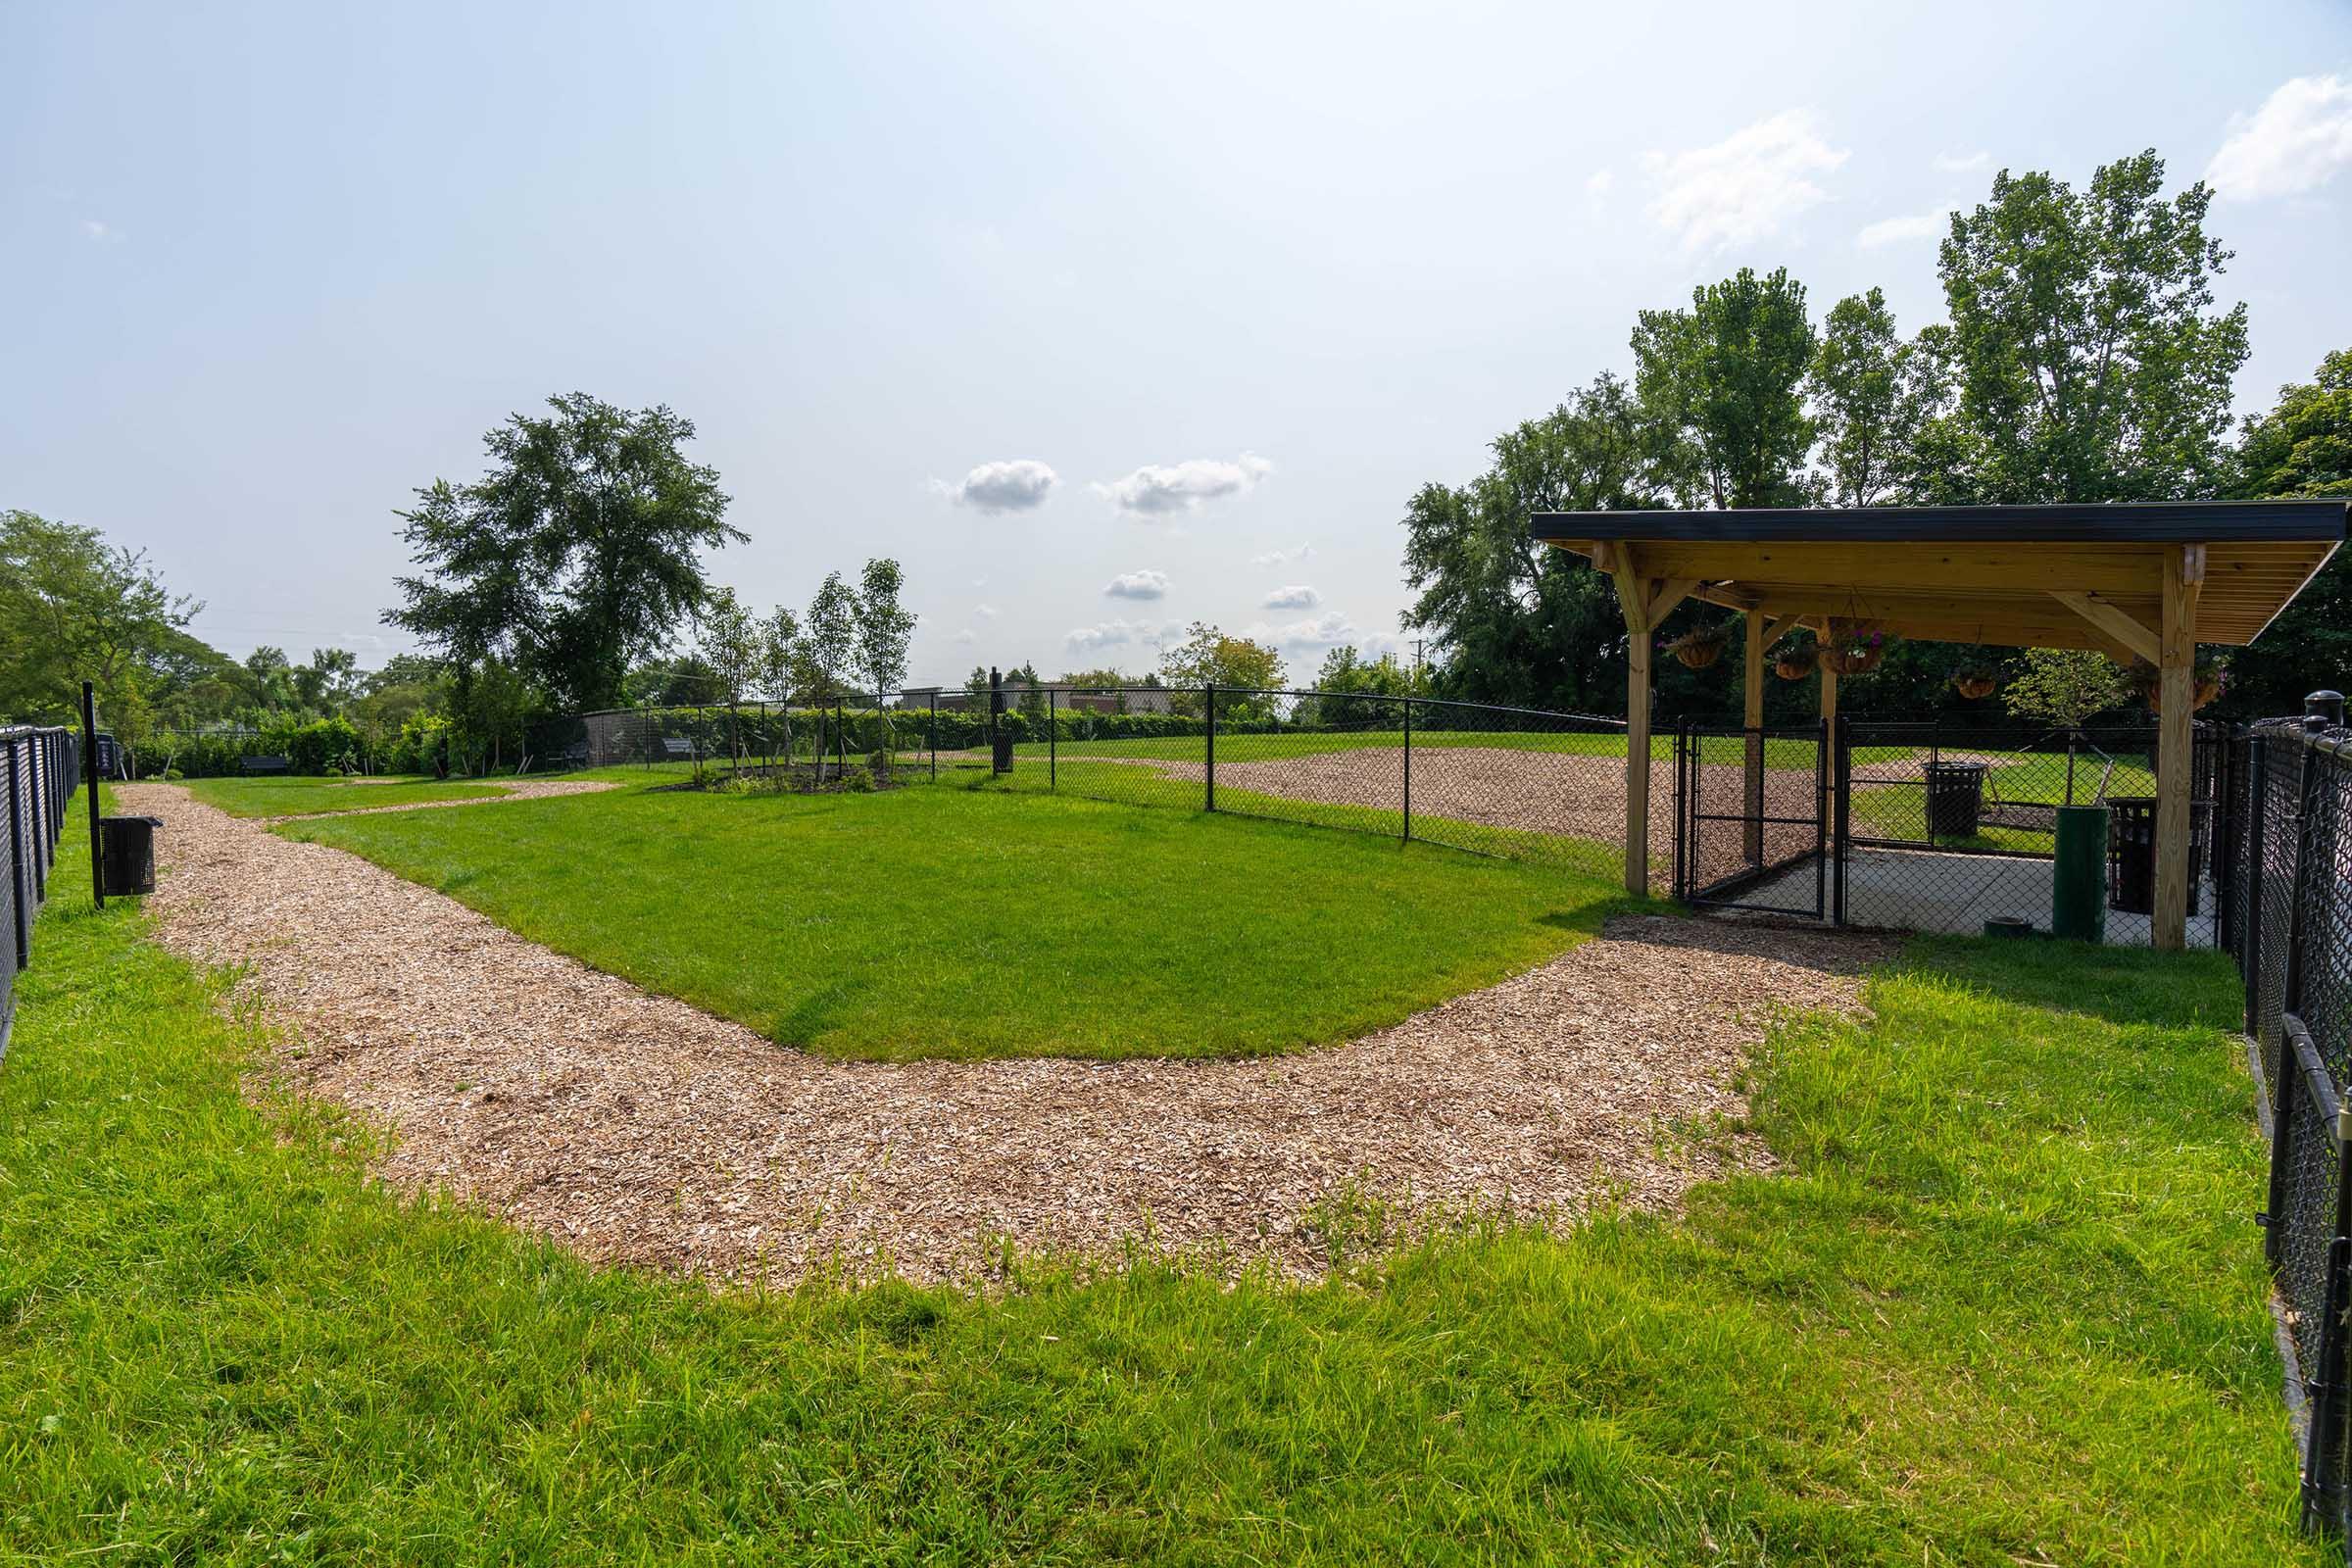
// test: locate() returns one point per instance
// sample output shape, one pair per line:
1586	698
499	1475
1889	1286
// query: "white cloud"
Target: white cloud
967	636
1744	187
1282	557
2298	142
1157	489
1897	230
1962	162
1117	634
1019	484
100	233
1327	630
1598	185
1297	596
985	611
1138	585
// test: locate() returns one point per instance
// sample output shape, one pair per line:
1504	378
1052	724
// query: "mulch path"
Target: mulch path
637	1129
518	790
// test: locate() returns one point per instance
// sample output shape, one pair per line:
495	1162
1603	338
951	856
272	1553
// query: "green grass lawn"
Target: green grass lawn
977	923
284	795
2001	1305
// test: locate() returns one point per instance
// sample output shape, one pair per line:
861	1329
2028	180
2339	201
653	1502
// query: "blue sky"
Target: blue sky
1101	318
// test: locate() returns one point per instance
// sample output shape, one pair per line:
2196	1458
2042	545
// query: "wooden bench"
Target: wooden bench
264	764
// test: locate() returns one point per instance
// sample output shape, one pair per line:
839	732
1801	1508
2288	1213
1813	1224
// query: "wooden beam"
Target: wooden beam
2119	624
2175	662
1751	834
1828	692
1666	595
1779	628
1632	599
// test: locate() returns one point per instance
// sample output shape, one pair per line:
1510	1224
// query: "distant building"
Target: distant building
1075	698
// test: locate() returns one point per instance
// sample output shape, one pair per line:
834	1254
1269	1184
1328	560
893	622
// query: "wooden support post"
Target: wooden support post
2178	653
1753	717
1828	692
1634	597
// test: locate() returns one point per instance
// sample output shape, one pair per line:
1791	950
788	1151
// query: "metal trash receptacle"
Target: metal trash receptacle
126	853
1955	798
2078	873
2132	853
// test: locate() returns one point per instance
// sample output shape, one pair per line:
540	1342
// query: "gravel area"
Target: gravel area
637	1129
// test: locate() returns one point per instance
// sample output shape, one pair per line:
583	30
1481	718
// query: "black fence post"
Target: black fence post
1409	769
996	712
1841	795
932	737
1053	740
2249	939
89	768
1209	706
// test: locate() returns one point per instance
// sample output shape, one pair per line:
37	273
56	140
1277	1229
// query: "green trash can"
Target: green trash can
2078	874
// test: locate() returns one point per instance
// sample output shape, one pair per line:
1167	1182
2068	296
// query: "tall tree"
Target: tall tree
2303	447
577	555
1721	380
885	628
2088	361
73	609
1514	621
829	638
1869	397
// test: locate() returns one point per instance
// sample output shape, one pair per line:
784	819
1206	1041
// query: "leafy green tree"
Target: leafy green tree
829	638
2065	687
73	609
1720	381
327	681
885	628
2303	447
1514	620
268	678
2088	360
1208	656
1870	392
575	556
780	652
976	688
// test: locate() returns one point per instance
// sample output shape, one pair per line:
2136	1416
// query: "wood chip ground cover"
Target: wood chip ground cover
636	1128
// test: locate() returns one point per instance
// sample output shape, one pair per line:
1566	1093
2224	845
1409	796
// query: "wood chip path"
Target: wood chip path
533	789
635	1128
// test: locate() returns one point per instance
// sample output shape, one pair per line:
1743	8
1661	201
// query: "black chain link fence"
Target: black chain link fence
1519	783
2288	789
44	771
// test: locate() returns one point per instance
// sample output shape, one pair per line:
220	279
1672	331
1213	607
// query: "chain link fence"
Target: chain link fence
44	771
1515	782
2289	785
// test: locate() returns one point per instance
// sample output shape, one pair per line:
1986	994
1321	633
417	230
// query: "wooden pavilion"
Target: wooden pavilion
2150	580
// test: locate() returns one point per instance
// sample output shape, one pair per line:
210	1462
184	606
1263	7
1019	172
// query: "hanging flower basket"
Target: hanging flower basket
1852	646
1700	646
2207	680
1795	663
1975	685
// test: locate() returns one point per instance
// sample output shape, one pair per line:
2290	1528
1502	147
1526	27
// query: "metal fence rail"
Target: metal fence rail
43	769
2289	785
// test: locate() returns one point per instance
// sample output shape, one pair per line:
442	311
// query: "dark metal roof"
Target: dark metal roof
2132	522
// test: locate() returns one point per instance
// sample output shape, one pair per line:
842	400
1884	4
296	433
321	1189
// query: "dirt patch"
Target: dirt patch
1558	794
635	1128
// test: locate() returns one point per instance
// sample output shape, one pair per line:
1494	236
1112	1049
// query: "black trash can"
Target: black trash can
1955	798
2131	852
126	857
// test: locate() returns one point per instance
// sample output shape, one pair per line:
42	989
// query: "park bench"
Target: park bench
264	764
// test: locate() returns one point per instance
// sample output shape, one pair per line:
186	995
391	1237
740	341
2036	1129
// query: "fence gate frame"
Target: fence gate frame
1756	870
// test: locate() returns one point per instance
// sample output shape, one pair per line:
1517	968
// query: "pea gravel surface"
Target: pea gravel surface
636	1129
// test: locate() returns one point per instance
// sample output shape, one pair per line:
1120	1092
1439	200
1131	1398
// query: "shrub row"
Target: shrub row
318	746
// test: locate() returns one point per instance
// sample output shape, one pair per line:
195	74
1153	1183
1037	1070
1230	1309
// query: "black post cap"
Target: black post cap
2324	710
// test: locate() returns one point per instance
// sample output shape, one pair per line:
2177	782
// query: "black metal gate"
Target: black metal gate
1751	819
